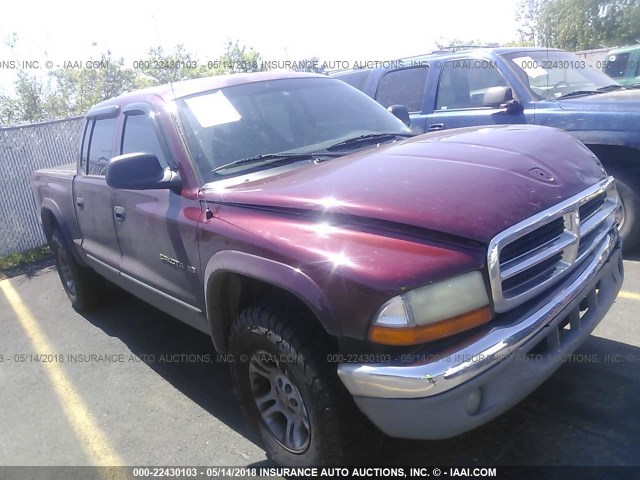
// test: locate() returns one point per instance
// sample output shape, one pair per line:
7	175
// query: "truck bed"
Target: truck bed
53	188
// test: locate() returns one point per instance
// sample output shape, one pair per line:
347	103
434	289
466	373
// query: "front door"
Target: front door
157	229
460	95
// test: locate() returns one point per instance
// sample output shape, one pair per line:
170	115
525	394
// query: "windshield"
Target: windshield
293	116
553	74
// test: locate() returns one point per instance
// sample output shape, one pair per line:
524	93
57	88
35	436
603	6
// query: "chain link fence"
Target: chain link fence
24	149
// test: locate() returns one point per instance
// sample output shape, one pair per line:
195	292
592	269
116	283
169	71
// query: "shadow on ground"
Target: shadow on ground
198	373
586	414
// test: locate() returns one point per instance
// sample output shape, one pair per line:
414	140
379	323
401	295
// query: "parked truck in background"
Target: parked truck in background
493	86
352	271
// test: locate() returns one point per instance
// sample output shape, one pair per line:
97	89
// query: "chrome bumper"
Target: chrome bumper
443	373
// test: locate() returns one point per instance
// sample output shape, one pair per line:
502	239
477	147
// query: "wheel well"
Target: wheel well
49	223
617	155
229	293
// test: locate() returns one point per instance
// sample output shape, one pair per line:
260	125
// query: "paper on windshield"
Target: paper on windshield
213	109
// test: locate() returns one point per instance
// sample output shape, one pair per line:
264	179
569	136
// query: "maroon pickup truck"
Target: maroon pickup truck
428	282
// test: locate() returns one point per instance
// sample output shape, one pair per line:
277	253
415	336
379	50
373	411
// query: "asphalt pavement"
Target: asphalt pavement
129	385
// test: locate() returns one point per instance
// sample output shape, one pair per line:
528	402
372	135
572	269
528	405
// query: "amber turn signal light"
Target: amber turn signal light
431	332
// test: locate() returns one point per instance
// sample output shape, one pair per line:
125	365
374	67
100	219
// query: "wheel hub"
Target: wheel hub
279	402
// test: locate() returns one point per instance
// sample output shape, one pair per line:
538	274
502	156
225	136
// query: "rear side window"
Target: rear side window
140	136
100	146
355	79
616	65
403	87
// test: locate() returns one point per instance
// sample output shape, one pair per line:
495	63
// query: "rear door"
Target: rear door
460	94
92	196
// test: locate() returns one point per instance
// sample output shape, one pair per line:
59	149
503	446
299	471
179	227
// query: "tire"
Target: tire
82	285
281	364
627	184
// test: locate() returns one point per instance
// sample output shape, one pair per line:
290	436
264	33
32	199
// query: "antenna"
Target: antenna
155	27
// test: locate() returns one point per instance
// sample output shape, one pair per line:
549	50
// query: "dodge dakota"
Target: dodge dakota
490	86
357	275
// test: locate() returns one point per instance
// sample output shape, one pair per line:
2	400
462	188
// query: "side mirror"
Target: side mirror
140	171
501	97
401	112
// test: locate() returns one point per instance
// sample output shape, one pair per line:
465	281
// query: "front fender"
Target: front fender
268	271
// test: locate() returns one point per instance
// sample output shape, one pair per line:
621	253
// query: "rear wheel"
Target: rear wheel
291	393
81	284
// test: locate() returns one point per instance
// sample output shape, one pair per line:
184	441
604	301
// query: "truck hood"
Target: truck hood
468	183
618	101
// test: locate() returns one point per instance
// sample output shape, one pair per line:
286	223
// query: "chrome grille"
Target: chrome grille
532	255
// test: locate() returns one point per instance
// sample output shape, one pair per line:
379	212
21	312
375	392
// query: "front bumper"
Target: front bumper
463	388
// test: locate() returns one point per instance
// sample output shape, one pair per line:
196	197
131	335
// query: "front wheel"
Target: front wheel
291	393
627	186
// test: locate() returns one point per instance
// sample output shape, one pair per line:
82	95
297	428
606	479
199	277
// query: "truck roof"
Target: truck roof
451	53
628	48
185	88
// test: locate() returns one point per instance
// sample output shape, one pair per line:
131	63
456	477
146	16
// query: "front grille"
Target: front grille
530	241
531	256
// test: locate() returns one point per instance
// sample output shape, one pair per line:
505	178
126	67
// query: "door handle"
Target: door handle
118	213
80	202
434	127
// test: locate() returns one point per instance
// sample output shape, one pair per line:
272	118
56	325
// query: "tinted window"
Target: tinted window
355	79
141	136
463	83
100	149
616	65
403	87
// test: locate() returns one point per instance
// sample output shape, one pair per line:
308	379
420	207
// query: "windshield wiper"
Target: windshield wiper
578	93
610	88
269	157
367	138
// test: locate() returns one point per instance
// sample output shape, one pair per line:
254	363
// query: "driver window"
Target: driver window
463	83
140	136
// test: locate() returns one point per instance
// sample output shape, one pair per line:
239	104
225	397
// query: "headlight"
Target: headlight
433	312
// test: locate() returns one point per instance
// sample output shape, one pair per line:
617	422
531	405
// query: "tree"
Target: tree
310	65
179	64
31	97
527	14
7	110
453	43
237	59
579	24
72	90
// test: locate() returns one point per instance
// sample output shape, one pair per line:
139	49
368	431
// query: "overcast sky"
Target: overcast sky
350	30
